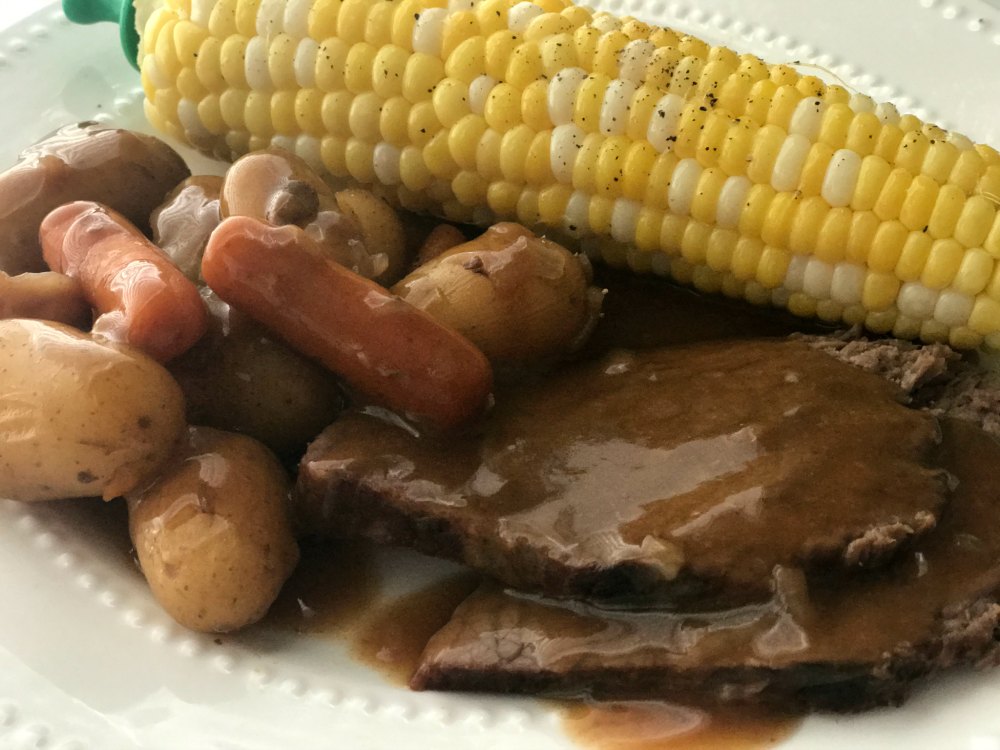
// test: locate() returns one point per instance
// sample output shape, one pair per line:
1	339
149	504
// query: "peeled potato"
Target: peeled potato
80	417
212	534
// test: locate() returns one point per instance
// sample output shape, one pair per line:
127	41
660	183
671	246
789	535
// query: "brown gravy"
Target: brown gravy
652	725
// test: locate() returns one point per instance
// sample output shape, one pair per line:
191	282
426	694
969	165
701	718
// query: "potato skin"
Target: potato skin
129	172
80	417
213	535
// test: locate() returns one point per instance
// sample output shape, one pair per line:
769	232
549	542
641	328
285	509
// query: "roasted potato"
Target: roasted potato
126	171
80	417
212	533
522	299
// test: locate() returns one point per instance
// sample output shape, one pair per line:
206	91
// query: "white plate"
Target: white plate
88	662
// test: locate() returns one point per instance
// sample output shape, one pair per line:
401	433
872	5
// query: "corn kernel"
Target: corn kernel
335	111
893	195
756	209
413	170
968	169
607	52
437	156
880	291
985	317
947	209
942	264
363	117
767	144
836	123
913	258
921	196
864	225
552	200
721	249
706	196
469	188
500	45
468	61
814	170
420	77
403	20
503	107
257	114
538	166
458	27
514	152
779	220
735	92
610	165
585	166
358	158
694	243
246	17
389	64
232	106
974	272
330	63
332	151
589	99
463	140
736	149
871	179
535	107
773	266
394	121
912	151
659	178
599	214
713	135
863	132
934	332
831	243
451	101
975	221
783	105
806	225
888	141
887	246
758	101
222	19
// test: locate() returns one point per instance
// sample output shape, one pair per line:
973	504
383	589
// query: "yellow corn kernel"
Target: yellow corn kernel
222	19
779	220
283	113
502	198
736	148
755	211
451	101
547	25
378	25
558	53
758	101
330	63
989	183
969	167
469	188
359	67
463	140
589	99
836	123
232	105
538	165
801	304
721	249
921	196
334	111
688	133
942	264
492	15
607	52
985	317
783	105
974	272
694	243
389	65
975	221
403	20
332	149
890	200
413	171
887	246
500	45
713	135
992	242
210	114
525	65
914	256
932	331
811	86
552	200
599	214
912	151
887	143
871	179
458	27
503	107
939	161
706	195
585	167
189	86
947	209
746	258
394	121
831	244
468	61
246	17
713	75
879	291
364	115
422	74
647	229
534	106
773	267
351	20
863	133
806	226
514	152
882	321
257	114
814	169
488	156
767	143
659	178
438	158
734	93
610	165
423	123
358	160
864	225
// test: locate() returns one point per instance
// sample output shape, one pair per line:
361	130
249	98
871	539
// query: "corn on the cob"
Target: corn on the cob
654	149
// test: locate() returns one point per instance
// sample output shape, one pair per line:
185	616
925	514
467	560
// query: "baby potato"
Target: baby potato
212	534
239	378
80	417
183	222
521	299
381	231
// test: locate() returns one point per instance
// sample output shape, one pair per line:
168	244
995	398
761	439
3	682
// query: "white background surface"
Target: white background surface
89	662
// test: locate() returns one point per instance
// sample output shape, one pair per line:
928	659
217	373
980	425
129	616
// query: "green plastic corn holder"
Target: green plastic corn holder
121	12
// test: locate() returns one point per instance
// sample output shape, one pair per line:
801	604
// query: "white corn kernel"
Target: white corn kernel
660	263
615	106
887	113
847	283
270	19
861	103
953	308
796	273
385	162
818	279
577	214
257	72
732	198
305	63
520	16
284	142
788	165
187	113
456	6
201	11
479	92
562	94
807	118
961	142
634	59
841	177
624	217
563	149
428	30
683	183
309	148
916	300
664	121
605	22
297	17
